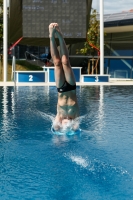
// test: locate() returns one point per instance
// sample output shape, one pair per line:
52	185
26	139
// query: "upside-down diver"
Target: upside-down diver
67	106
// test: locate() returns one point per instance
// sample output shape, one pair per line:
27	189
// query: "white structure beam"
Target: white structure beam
101	38
5	39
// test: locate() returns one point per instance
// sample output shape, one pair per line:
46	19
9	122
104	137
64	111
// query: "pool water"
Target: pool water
95	164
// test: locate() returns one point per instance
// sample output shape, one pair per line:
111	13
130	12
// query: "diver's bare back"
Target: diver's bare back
67	106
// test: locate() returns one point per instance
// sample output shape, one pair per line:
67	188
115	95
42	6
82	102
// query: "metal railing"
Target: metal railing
111	57
31	58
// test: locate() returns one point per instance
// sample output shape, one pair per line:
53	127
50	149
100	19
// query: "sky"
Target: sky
113	6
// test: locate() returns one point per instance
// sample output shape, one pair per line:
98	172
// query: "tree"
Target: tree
91	46
1	22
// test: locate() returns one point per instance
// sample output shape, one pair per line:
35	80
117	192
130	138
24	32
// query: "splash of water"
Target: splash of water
47	116
51	117
99	170
66	129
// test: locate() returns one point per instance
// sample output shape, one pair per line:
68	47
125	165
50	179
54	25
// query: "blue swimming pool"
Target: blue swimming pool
95	164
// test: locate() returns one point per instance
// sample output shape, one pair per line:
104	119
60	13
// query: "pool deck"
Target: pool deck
111	82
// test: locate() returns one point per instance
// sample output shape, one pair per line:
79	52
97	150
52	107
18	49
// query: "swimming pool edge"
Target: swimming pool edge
78	84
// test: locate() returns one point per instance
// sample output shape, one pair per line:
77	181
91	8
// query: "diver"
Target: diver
67	106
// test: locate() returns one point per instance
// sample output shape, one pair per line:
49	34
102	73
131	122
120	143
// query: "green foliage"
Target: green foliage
28	66
92	36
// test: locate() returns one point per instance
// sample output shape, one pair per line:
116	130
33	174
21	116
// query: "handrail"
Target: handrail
111	57
30	55
11	47
36	57
31	58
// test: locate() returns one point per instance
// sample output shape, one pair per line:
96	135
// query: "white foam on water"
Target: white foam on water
51	117
47	116
79	161
66	130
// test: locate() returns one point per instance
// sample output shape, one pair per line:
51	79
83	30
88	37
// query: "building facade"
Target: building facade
118	47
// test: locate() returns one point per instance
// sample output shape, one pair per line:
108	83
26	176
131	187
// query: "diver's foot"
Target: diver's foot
52	30
58	30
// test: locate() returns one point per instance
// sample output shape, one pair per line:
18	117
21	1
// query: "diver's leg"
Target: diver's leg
69	76
59	73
